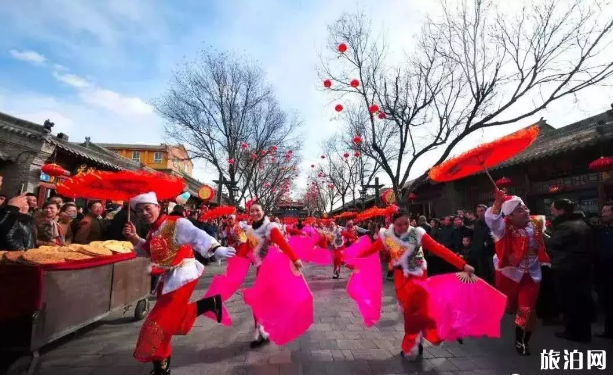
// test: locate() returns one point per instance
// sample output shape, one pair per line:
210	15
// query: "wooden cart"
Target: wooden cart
71	300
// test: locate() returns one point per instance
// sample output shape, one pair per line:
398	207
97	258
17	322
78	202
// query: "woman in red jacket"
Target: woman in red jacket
404	245
261	234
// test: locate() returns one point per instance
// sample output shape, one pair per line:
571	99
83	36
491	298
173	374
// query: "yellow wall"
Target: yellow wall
147	157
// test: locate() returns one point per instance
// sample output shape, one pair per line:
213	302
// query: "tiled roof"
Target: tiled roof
576	136
120	146
4	156
22	127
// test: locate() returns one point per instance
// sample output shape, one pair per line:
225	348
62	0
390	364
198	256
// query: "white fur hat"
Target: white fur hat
150	198
510	204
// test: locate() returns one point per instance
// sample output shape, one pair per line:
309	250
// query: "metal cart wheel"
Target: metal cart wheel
26	364
141	310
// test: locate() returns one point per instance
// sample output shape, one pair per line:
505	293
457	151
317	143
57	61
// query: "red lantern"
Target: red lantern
264	152
244	145
555	189
312	165
330	186
342	48
412	196
502	182
254	156
373	108
273	148
338	108
602	164
327	83
346	155
357	154
323	156
357	139
54	170
320	174
231	161
381	115
355	83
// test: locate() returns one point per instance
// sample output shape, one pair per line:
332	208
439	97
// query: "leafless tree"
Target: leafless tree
273	178
222	109
475	66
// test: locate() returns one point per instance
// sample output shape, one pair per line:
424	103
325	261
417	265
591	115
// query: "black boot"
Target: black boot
335	275
210	304
521	341
161	367
460	341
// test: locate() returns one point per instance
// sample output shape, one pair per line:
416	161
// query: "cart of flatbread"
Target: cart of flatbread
65	254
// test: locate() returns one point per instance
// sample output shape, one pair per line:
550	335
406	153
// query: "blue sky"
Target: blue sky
94	66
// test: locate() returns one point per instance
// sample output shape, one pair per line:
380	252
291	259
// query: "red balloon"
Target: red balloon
355	83
373	108
342	48
327	83
381	115
338	108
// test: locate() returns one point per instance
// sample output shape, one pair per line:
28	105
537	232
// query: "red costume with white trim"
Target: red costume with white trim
170	244
407	258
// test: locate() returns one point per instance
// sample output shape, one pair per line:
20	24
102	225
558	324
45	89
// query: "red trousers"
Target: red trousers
171	315
521	298
338	259
414	300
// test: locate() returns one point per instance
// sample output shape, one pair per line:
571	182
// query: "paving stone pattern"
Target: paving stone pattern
337	344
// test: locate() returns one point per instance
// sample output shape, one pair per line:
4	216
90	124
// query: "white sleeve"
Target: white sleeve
419	231
496	223
187	234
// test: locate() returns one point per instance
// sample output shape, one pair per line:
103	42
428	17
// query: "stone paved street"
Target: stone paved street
338	343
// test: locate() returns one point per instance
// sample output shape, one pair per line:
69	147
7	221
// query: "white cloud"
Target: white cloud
31	57
72	80
59	67
117	103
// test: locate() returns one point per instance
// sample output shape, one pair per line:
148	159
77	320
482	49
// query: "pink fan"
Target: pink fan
281	299
365	287
350	253
219	286
237	270
465	306
303	246
321	256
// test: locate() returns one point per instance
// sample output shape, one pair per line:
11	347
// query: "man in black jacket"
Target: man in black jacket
604	267
483	246
572	252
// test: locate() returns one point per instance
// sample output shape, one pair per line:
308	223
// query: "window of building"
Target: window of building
157	157
136	156
186	168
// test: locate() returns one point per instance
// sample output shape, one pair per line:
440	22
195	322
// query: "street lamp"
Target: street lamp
363	197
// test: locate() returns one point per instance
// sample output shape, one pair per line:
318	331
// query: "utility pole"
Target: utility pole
232	188
376	186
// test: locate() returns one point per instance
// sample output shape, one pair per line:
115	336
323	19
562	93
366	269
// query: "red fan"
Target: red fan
217	212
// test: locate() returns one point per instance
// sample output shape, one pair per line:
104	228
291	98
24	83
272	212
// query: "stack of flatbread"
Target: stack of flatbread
12	257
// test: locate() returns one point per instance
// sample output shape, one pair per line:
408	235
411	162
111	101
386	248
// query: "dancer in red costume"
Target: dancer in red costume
235	235
404	245
337	244
170	244
520	252
262	234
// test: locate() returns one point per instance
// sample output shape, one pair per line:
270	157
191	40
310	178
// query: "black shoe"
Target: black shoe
521	341
335	275
460	341
217	308
261	341
421	349
604	335
161	367
566	336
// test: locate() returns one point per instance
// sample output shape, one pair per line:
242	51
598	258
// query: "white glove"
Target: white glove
224	252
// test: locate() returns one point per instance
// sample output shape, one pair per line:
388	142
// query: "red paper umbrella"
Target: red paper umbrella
355	83
121	186
357	154
346	155
357	139
502	182
485	156
217	212
327	83
412	196
342	48
54	170
602	164
338	108
373	108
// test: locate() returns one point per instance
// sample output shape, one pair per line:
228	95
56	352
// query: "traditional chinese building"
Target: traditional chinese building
555	166
163	157
291	208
